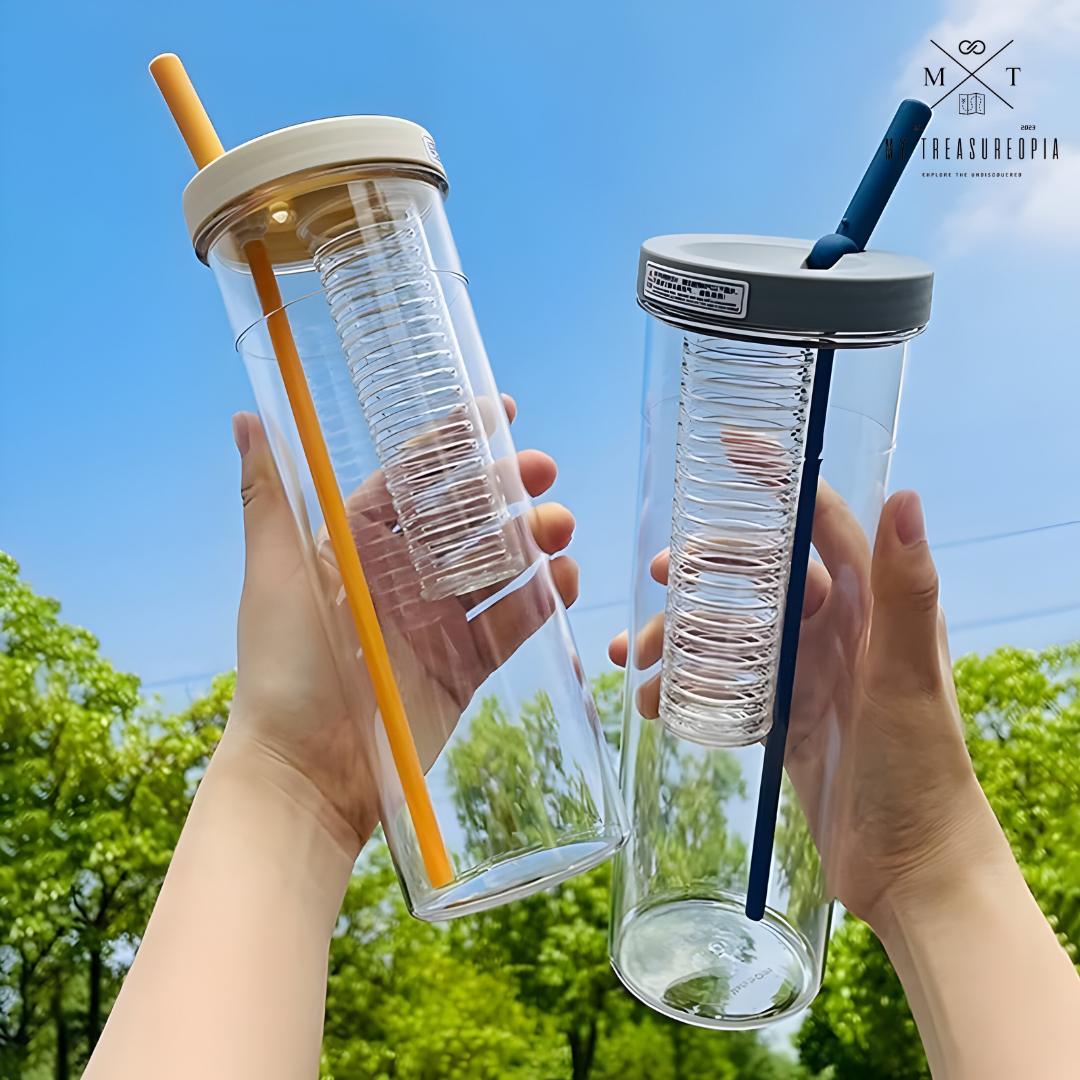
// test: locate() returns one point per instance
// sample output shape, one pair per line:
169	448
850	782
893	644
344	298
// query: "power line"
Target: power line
180	679
978	624
579	609
1001	536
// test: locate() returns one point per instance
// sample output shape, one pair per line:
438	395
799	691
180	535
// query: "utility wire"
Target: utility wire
1001	536
978	624
179	679
975	624
580	609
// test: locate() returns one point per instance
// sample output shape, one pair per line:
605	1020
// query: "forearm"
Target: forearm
993	993
230	978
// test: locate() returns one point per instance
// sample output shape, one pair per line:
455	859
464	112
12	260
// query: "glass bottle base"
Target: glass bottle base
515	878
703	962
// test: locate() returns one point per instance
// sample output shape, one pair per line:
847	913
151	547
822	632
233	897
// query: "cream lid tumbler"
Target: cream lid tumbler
755	353
351	312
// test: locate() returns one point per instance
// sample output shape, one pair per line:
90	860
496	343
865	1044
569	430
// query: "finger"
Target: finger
904	634
538	471
659	566
510	405
818	582
565	574
268	521
945	662
372	500
489	413
838	536
618	648
552	527
649	644
758	456
647	698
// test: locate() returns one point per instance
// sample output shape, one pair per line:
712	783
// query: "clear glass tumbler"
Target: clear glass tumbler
349	214
722	453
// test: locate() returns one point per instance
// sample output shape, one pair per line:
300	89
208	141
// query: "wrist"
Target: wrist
993	993
281	816
967	862
230	975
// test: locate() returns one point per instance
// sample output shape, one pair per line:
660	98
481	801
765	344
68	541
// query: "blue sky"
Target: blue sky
571	132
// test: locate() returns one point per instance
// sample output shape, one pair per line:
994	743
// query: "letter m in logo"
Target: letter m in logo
930	79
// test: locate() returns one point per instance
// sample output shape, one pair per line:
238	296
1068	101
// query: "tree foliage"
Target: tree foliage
860	1025
1021	712
401	1004
95	785
511	783
94	788
554	944
1022	718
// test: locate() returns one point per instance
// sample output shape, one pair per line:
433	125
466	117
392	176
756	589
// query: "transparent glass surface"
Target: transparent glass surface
507	733
679	937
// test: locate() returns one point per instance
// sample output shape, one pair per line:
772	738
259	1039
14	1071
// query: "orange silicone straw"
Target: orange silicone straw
204	145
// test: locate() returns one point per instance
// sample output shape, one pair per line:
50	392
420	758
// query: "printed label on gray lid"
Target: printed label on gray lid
696	292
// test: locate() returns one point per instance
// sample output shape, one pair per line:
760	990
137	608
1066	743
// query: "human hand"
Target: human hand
300	697
873	677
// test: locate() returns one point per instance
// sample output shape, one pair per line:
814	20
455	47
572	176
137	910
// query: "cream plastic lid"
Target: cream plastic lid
337	140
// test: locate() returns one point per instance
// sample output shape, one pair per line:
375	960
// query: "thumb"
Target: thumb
904	632
269	529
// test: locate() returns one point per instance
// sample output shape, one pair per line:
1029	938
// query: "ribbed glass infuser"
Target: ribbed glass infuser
350	309
743	341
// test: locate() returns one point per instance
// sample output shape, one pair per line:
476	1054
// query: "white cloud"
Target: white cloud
1042	207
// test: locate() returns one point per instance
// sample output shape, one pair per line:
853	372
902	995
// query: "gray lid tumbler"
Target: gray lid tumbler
767	358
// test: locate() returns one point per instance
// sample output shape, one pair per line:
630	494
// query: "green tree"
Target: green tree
1021	712
801	872
681	791
94	789
554	943
512	786
860	1024
400	1004
1022	720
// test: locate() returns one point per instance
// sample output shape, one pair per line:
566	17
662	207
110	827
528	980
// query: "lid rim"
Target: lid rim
744	285
813	339
332	142
206	234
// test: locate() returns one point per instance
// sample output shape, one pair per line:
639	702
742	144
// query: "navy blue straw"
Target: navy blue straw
773	769
878	182
851	235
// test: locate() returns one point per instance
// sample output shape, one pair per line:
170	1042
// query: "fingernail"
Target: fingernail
910	524
240	432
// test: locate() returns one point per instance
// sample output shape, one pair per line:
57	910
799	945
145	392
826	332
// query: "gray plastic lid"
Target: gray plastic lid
758	287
